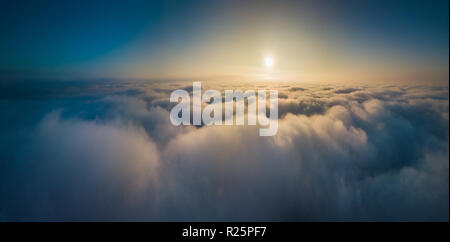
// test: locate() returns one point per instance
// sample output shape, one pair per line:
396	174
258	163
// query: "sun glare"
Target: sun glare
268	61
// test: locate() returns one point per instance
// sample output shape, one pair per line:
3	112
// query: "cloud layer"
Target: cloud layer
107	151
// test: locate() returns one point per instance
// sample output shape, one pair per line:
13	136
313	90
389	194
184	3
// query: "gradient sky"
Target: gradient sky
308	40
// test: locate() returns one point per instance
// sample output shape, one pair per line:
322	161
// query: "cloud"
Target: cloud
373	153
346	90
73	169
295	89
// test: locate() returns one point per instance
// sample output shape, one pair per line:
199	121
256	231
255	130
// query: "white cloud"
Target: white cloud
372	153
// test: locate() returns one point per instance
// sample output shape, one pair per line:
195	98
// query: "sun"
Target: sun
268	61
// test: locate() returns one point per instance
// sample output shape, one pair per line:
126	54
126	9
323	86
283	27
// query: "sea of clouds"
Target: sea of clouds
106	150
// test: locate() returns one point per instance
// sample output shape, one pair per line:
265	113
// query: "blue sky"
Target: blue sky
154	39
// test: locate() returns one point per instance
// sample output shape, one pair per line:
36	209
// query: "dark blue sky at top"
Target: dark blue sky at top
41	37
47	33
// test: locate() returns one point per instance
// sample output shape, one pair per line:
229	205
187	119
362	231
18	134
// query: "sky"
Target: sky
308	40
